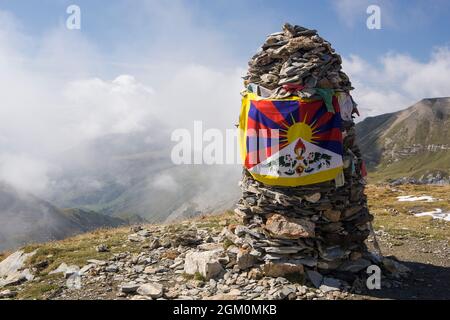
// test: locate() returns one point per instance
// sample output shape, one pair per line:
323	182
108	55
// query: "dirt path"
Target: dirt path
429	261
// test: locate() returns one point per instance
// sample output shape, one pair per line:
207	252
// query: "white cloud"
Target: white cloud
165	182
24	172
94	107
60	91
197	92
398	80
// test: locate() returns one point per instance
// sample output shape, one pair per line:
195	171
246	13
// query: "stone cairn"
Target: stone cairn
319	228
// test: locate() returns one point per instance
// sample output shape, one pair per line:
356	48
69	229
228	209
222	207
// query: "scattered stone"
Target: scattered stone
286	292
61	269
150	270
330	284
396	268
41	265
315	277
86	268
222	296
129	287
176	264
74	281
112	268
171	294
135	238
138	297
152	290
7	294
144	233
71	270
136	229
102	248
209	246
155	244
97	262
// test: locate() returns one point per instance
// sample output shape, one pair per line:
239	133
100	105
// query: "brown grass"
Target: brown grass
397	217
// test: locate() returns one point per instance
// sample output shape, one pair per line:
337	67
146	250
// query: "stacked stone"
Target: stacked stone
296	56
322	227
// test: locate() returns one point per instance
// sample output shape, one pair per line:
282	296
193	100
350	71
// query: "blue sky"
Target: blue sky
411	27
155	40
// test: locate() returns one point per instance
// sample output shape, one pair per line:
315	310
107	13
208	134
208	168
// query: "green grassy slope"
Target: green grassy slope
383	140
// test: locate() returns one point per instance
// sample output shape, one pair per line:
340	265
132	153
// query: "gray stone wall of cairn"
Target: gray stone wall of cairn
319	229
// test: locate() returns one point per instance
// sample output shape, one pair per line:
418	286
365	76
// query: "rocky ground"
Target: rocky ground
193	260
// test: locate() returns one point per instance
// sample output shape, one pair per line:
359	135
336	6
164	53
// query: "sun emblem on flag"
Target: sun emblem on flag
292	139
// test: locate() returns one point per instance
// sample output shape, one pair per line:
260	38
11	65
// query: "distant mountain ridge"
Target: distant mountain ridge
25	218
409	144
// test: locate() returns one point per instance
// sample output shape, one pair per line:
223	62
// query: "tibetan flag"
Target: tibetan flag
290	142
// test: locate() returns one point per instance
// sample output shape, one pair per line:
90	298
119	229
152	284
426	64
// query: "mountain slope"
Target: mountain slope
25	218
413	143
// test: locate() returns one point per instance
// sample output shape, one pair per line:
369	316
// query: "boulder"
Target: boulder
206	263
153	290
61	269
11	269
14	279
71	270
14	263
74	281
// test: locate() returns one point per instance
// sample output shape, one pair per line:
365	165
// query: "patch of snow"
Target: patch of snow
414	198
436	214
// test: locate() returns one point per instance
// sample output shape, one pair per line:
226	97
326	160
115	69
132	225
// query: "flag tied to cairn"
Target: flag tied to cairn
292	141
